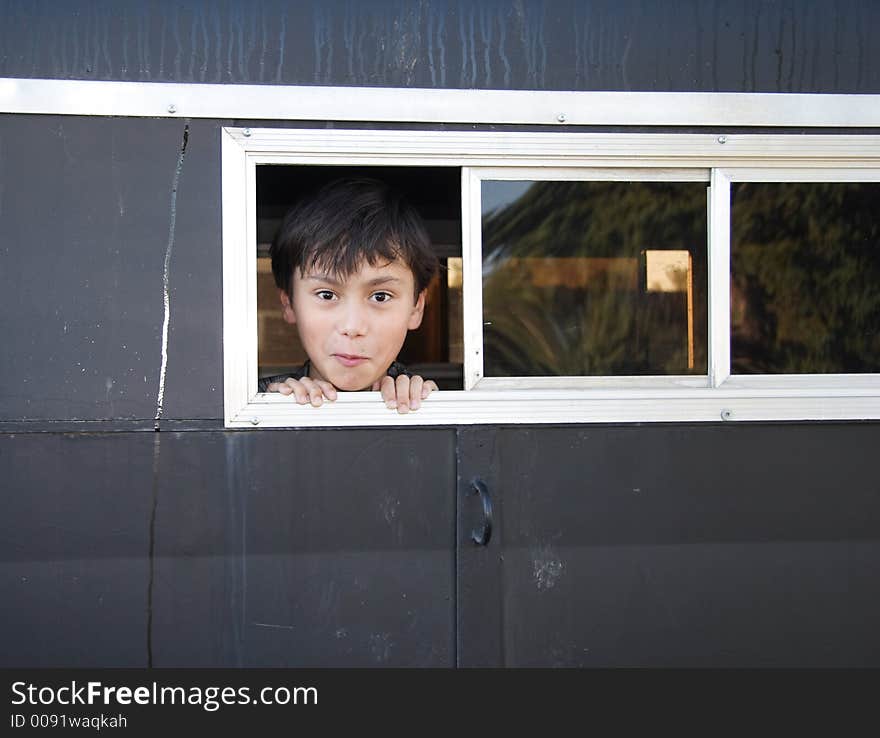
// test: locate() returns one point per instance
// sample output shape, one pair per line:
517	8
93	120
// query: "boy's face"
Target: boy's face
353	329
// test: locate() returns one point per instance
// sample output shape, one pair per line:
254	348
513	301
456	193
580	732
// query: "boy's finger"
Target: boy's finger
299	392
328	389
389	392
415	392
428	387
280	388
402	387
316	395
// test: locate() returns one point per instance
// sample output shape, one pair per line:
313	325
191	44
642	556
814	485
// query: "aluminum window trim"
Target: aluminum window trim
753	398
752	382
474	375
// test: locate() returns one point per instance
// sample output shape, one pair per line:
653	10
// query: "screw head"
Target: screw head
255	421
722	139
726	414
561	117
246	132
172	108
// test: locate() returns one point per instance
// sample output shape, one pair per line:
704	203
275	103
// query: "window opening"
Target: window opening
673	232
434	350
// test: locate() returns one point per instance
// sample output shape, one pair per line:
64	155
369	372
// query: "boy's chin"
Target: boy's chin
351	384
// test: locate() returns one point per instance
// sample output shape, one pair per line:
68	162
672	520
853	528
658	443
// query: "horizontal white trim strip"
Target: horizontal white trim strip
406	105
593	174
556	150
788	174
495	384
476	408
829	383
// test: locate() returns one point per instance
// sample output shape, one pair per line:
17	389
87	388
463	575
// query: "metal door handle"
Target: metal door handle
482	534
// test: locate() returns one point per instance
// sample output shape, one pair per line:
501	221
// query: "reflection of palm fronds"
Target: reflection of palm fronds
540	332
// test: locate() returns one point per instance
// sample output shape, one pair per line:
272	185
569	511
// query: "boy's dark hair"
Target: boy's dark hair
347	222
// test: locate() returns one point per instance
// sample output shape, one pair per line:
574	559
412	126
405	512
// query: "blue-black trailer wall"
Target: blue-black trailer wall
677	544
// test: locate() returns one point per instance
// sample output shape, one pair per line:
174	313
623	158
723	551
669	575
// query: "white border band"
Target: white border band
407	105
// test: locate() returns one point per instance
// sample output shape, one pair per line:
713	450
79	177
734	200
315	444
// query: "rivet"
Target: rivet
172	108
561	117
246	132
722	139
255	421
726	414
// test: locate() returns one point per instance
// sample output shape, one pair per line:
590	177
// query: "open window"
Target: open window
435	349
588	277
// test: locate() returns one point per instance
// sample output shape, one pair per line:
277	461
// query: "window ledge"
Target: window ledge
269	410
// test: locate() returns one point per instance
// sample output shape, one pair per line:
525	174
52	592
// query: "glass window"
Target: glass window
805	286
594	278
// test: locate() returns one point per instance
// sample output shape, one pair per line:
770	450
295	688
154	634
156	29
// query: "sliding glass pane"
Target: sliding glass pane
594	278
805	288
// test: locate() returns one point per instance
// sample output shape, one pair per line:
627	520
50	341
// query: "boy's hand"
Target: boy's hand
305	390
404	393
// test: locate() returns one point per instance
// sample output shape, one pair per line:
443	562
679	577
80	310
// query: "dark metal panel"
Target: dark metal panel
89	208
350	549
194	377
196	587
480	569
277	548
723	45
74	542
685	546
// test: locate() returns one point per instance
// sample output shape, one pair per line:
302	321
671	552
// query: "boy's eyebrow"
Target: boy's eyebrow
384	280
322	278
329	278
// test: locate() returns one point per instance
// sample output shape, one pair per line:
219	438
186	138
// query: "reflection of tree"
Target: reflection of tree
562	332
805	277
597	328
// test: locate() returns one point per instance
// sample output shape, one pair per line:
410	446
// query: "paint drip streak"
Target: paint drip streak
165	277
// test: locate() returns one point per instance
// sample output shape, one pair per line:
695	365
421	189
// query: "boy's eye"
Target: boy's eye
381	296
325	294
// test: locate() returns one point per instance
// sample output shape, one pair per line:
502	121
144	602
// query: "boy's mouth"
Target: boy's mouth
350	359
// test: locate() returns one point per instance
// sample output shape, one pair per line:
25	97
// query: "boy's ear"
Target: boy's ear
286	308
415	318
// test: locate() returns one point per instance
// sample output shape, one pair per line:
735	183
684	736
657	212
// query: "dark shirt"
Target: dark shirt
395	370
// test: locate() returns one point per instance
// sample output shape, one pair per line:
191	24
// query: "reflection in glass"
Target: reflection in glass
805	278
594	278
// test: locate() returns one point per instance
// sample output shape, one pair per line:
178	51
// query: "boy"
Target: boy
352	265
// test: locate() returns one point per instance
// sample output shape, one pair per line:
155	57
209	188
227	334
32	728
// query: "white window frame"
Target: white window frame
732	157
474	377
747	382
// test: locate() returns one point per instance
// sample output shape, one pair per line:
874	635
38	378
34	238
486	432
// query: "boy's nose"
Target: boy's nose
353	321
